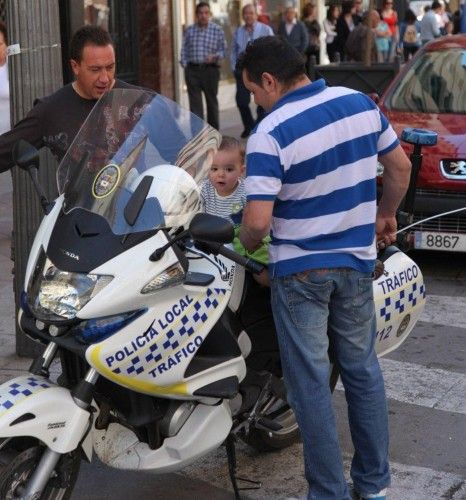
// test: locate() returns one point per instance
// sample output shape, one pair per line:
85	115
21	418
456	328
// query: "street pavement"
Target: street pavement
426	389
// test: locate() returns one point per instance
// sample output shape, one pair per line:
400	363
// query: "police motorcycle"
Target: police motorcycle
167	344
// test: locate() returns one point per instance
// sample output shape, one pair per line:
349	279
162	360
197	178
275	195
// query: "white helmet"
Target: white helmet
176	191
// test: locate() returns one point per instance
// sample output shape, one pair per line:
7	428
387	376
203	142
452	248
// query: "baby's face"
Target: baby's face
225	171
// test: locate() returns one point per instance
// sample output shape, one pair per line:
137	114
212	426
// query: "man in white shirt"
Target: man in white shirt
429	24
249	31
4	85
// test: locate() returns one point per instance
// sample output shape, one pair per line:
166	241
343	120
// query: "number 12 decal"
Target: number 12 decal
384	333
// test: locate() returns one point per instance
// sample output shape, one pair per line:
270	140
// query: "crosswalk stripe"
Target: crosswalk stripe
420	483
419	385
445	310
282	475
422	386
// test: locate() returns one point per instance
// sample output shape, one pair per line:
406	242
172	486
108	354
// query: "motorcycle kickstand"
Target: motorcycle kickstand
231	455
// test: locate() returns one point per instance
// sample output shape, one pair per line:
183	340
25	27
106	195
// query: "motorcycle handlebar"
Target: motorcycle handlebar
217	248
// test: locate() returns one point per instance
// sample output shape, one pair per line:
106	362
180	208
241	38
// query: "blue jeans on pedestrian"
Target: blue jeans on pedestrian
312	310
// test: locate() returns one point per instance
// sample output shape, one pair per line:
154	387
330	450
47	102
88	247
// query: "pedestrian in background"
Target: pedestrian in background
202	50
316	143
4	84
329	25
410	37
358	12
382	40
55	120
293	30
429	23
390	16
251	30
345	25
309	19
444	20
356	45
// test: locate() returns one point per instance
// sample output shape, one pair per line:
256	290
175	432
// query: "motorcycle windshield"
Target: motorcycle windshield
138	161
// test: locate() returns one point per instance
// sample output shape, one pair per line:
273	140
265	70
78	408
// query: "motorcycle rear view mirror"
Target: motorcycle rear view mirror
136	202
210	228
25	155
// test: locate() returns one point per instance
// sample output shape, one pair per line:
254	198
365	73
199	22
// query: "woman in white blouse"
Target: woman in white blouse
329	25
4	87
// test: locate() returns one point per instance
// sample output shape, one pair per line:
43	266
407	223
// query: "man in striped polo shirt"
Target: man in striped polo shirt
311	167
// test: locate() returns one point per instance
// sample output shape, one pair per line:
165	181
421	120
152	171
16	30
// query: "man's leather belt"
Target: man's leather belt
203	65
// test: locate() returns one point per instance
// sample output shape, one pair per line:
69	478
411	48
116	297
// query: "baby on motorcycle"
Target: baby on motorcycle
223	195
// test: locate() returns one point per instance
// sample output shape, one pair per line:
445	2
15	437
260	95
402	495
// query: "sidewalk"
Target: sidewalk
10	364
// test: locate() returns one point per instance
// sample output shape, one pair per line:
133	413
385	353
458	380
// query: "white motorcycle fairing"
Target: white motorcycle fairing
205	430
34	406
152	354
400	298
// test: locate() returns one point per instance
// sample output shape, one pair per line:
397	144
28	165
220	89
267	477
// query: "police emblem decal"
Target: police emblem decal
106	181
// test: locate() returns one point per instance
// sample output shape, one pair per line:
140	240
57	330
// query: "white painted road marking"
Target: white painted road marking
420	483
422	386
419	385
445	310
281	475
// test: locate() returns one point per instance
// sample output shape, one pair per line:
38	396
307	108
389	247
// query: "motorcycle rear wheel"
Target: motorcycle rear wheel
17	466
280	412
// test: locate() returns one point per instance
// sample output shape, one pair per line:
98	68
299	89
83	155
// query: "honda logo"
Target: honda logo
454	169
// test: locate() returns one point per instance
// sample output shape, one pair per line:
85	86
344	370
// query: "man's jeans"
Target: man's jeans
310	310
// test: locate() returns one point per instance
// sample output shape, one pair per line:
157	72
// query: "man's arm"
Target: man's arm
255	225
183	55
29	128
264	173
435	26
234	50
222	45
304	38
397	170
218	46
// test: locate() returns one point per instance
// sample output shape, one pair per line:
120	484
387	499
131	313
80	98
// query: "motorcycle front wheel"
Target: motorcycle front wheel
17	466
279	411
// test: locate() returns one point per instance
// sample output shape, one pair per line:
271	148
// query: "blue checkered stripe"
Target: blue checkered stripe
399	302
21	389
170	339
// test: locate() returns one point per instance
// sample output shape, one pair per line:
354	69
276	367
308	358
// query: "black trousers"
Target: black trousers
243	98
203	78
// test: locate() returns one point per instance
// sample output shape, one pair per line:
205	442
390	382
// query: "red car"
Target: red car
430	93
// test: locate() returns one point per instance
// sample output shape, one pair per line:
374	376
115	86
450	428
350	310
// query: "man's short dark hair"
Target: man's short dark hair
274	55
88	35
435	5
202	4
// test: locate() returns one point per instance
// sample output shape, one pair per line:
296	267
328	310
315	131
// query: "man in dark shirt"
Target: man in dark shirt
358	40
55	120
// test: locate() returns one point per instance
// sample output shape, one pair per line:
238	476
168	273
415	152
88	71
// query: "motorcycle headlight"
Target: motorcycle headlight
59	295
98	329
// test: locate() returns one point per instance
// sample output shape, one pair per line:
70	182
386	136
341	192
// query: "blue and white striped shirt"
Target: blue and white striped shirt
200	42
315	155
243	36
223	206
